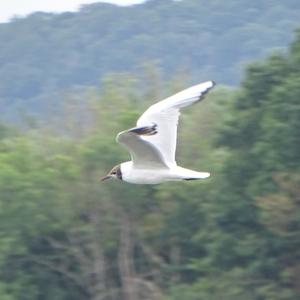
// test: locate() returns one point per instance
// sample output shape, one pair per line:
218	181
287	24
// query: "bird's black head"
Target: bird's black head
115	172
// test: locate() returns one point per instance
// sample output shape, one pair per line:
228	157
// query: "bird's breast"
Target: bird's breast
149	176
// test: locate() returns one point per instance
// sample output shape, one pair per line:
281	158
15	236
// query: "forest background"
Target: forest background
70	82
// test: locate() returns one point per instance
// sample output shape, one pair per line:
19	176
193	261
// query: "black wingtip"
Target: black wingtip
213	83
201	97
145	130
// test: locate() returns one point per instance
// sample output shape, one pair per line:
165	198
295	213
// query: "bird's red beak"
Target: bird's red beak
105	177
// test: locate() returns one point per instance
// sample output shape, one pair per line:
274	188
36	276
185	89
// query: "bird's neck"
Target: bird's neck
126	168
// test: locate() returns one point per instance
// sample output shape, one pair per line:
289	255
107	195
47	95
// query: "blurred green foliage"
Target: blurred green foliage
64	235
44	54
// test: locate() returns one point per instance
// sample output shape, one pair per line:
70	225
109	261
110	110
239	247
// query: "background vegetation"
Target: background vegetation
66	236
45	54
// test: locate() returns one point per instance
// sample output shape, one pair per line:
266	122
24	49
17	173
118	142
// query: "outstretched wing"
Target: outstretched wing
143	153
165	115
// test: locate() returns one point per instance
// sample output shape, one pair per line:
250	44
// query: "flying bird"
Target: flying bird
152	143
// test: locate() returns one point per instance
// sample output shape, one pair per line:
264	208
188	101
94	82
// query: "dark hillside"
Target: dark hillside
43	54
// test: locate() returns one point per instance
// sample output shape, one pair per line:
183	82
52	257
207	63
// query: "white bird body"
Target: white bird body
152	144
155	175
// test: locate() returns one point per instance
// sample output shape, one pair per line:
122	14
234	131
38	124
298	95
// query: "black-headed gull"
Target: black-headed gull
152	143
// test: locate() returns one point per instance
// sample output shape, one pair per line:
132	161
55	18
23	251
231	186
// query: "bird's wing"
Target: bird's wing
143	153
165	115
